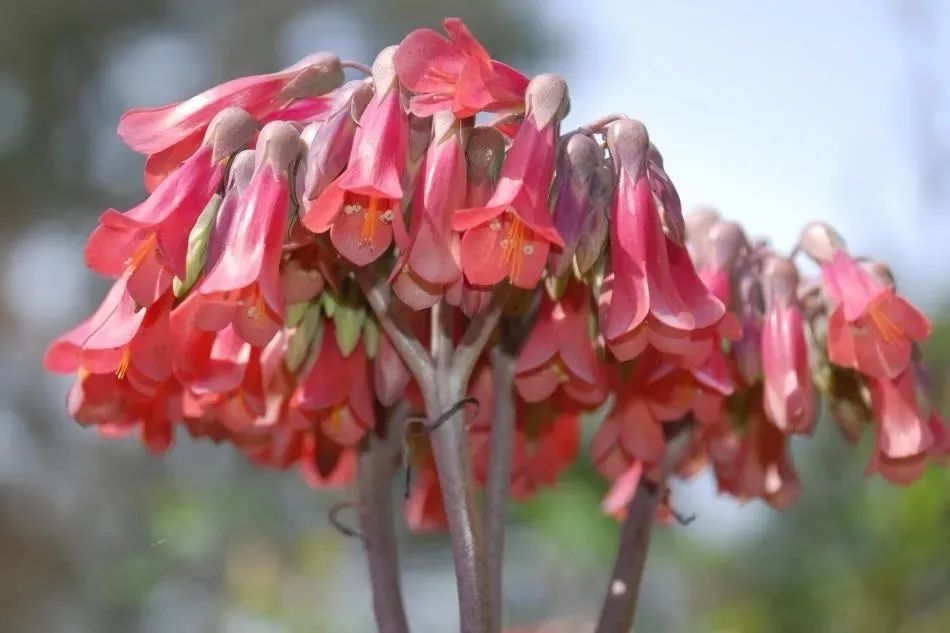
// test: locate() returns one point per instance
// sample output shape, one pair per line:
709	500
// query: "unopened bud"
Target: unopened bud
307	333
699	222
880	271
577	166
229	132
320	73
593	234
725	241
279	144
484	154
384	71
780	278
820	241
668	199
629	144
329	142
242	170
547	100
197	251
348	318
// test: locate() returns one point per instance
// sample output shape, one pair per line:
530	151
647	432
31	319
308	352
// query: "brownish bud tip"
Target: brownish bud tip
360	99
420	135
444	124
581	158
229	132
820	241
384	70
881	271
546	99
780	277
484	152
726	240
629	143
279	144
319	74
698	224
242	170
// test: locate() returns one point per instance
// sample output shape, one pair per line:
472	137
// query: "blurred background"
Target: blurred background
775	112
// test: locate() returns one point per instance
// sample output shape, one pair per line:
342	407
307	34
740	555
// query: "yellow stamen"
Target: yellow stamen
369	222
890	331
123	366
513	247
335	421
257	307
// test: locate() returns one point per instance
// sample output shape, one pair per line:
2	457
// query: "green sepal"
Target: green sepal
197	246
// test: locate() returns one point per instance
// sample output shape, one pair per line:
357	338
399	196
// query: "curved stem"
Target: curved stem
476	335
360	66
499	472
375	467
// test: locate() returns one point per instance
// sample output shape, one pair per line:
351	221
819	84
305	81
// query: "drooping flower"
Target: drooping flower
871	328
902	429
432	260
656	292
559	352
763	466
336	393
362	207
511	235
455	74
151	239
787	388
242	285
169	134
580	159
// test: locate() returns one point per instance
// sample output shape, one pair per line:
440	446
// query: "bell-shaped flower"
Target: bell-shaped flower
763	464
655	286
559	352
903	431
242	285
336	394
362	207
511	235
871	328
455	74
431	260
787	388
151	239
170	133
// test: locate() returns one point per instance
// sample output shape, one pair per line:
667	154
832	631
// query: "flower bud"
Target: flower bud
579	161
305	336
780	278
547	100
348	319
593	234
229	132
279	144
725	240
629	145
484	154
820	241
668	199
197	247
321	73
384	71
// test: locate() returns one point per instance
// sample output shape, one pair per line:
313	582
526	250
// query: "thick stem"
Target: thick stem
620	603
476	335
375	467
499	472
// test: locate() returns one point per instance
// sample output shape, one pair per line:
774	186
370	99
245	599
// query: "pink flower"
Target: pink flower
656	291
242	285
871	328
763	465
361	208
559	352
455	74
581	157
151	239
432	260
902	431
170	133
788	399
511	235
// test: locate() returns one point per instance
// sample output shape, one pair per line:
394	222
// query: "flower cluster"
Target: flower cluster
239	312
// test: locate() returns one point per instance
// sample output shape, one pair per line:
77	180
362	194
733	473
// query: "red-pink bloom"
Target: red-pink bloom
455	74
242	285
787	388
170	133
361	208
656	291
432	260
336	393
151	239
120	337
546	442
559	352
763	465
511	235
902	430
871	328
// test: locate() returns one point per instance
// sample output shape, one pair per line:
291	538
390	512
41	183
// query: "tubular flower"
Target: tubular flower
655	291
511	235
335	394
763	466
169	134
559	352
787	389
243	285
151	239
432	260
904	436
361	208
455	74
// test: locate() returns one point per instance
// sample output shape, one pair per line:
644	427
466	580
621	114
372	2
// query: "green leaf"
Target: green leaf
349	317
